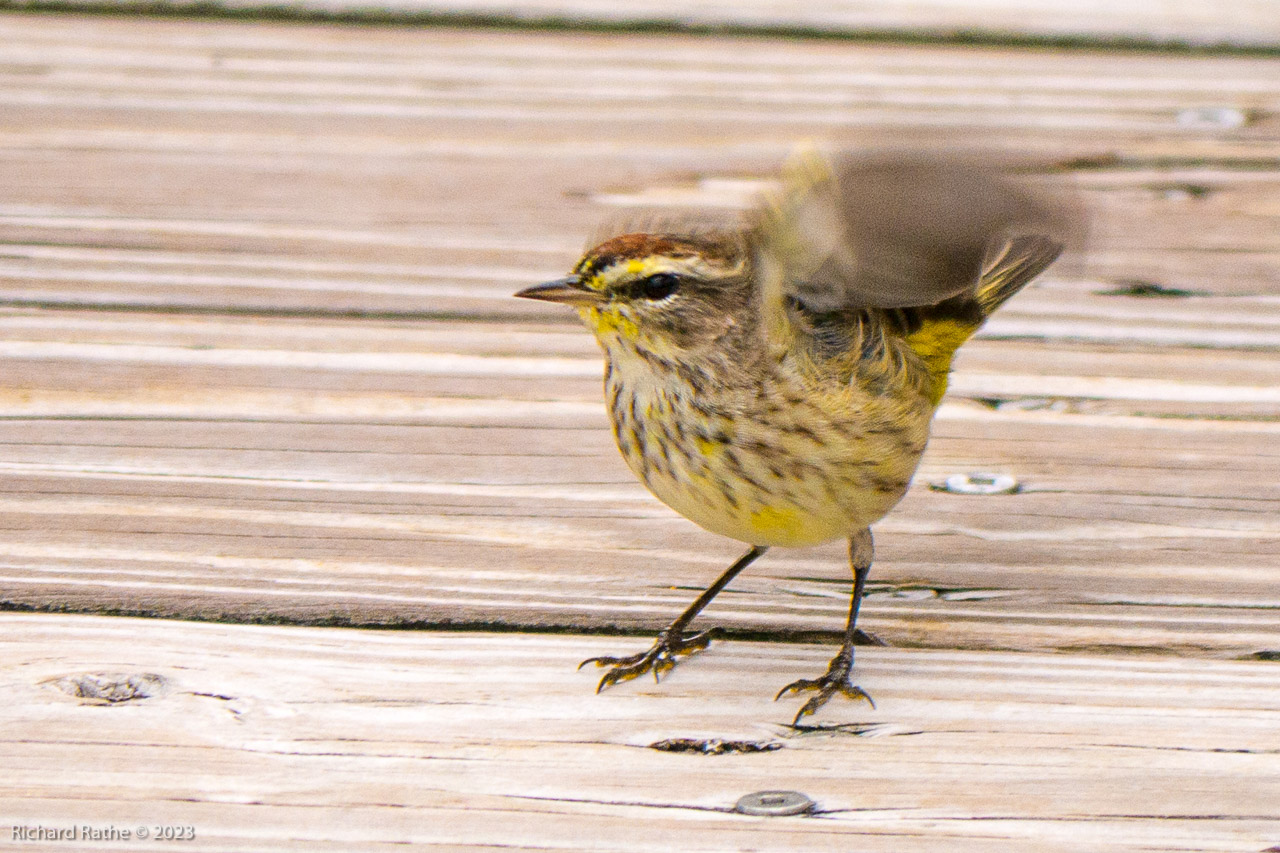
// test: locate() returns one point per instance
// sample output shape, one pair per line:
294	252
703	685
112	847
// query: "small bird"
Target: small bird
775	382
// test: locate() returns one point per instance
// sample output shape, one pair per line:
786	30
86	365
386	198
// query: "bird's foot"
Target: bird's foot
836	680
662	656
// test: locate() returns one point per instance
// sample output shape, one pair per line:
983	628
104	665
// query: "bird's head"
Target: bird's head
663	294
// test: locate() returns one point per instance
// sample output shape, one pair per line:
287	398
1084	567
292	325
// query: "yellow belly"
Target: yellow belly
769	474
780	523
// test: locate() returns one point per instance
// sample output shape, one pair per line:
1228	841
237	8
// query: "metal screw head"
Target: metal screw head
978	484
1213	117
774	804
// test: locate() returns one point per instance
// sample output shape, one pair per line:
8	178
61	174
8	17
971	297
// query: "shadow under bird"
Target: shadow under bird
775	382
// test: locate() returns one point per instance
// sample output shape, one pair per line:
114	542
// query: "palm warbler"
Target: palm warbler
775	382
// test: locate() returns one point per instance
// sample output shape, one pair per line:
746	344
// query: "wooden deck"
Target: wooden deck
1234	24
261	365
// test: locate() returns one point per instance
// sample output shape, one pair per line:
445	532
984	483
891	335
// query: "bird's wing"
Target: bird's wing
891	231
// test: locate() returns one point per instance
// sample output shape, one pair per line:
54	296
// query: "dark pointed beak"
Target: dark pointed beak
567	291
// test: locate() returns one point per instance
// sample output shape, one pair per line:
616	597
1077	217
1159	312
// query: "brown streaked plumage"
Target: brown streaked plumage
776	384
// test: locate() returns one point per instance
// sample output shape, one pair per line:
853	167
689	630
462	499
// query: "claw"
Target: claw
849	690
836	680
661	665
796	687
612	677
604	660
659	659
699	641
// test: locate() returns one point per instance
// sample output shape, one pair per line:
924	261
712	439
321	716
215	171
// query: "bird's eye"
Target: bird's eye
659	285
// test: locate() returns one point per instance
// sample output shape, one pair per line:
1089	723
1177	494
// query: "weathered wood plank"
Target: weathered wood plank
95	353
170	518
440	465
323	405
272	737
361	471
384	169
1237	22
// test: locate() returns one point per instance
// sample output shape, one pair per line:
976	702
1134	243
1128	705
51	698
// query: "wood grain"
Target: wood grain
171	479
1231	22
264	363
280	738
261	364
394	169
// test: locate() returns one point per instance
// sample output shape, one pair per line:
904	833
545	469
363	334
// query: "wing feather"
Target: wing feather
894	231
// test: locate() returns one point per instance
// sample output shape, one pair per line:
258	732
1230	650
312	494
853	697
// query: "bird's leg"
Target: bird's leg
836	679
673	641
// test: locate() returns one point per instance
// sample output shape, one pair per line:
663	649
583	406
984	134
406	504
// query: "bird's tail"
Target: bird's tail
944	327
1022	260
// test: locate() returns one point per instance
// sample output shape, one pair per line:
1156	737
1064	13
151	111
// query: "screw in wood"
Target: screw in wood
978	484
774	804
